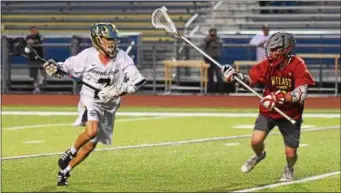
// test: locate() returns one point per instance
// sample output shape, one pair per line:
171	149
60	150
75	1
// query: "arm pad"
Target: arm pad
299	94
132	86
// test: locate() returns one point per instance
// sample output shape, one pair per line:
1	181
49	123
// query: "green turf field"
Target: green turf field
163	154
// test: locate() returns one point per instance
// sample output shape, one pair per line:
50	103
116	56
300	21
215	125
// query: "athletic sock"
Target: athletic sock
66	170
290	168
73	150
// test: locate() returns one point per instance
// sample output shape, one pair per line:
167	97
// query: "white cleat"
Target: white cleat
288	175
252	162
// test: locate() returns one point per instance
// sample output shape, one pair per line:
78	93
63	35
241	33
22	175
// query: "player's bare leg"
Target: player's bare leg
89	133
257	144
291	156
82	154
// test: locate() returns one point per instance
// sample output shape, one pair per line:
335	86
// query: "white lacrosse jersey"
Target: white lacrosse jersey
88	65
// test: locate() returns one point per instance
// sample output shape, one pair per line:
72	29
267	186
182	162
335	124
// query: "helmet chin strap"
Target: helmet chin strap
277	61
284	65
280	61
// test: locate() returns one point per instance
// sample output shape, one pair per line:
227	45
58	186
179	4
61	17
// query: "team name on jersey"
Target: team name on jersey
104	73
282	83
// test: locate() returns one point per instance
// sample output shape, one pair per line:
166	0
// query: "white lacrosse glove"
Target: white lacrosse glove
113	92
52	68
273	99
229	74
268	102
127	88
107	94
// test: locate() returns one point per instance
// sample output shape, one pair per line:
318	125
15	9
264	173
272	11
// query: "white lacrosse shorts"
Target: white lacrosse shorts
105	119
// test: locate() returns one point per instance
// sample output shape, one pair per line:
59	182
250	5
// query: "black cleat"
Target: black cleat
65	159
62	179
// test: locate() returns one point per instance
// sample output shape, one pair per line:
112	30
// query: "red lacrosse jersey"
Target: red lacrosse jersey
294	74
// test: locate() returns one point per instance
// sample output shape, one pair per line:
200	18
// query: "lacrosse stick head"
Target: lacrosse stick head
18	47
161	20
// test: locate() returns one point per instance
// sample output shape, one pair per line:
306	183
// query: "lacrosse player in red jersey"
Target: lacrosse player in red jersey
286	79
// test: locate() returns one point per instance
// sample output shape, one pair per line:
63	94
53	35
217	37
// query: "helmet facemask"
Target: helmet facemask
277	55
109	46
104	37
279	47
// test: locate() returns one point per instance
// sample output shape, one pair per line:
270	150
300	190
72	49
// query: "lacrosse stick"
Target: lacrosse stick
20	48
132	43
161	20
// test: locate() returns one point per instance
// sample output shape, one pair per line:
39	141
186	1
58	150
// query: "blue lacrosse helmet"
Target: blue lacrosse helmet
105	36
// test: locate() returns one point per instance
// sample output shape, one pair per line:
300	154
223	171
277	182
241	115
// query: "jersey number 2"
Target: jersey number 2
105	81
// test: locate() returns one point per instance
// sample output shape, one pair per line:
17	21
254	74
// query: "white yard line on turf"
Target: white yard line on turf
165	143
231	144
252	126
70	124
312	178
173	114
34	141
36	126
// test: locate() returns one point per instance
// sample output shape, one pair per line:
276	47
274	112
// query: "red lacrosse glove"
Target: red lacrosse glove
270	101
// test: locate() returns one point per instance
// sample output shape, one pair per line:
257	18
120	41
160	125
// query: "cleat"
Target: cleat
65	159
62	179
252	162
288	174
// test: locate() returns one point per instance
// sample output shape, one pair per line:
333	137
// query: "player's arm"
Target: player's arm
133	82
298	95
133	78
255	76
303	80
74	65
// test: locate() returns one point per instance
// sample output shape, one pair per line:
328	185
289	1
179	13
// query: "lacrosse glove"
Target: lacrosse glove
53	69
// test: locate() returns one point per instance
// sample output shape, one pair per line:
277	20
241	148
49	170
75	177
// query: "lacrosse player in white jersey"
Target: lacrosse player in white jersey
108	68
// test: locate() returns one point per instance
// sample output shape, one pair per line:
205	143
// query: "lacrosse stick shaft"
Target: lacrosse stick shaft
130	47
199	50
236	78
